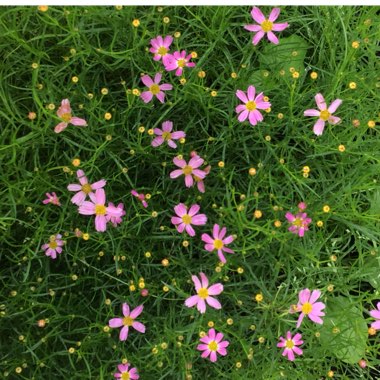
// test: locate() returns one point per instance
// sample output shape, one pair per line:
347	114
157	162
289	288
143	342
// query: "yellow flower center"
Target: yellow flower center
218	244
162	51
100	209
203	293
187	169
86	188
53	245
125	376
307	308
66	117
324	115
266	26
154	89
166	136
181	63
127	321
186	219
289	344
213	346
297	222
250	106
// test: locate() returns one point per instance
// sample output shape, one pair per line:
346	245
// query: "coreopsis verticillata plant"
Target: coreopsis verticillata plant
299	222
323	113
308	306
155	88
212	344
251	105
376	314
54	246
141	197
265	25
178	61
218	242
51	198
166	134
185	218
128	321
290	345
188	169
160	47
115	220
64	113
126	373
204	294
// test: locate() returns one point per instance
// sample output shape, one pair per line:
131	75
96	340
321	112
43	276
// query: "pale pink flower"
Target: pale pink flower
185	219
64	113
115	220
84	188
51	198
376	314
218	242
252	105
160	47
290	345
307	305
140	197
302	206
178	61
265	26
212	344
199	181
155	88
128	321
204	293
188	169
97	207
126	373
299	223
166	134
54	246
324	113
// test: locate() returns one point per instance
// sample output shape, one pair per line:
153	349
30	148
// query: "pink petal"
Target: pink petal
315	318
167	41
115	322
194	209
207	238
240	108
333	120
176	173
376	325
375	314
199	220
272	37
221	257
319	126
228	240
213	302
179	71
213	356
139	327
201	305
147	80
199	173
87	208
279	27
137	311
215	231
304	296
209	247
257	37
157	78
189	230
146	96
334	105
161	97
126	310
243	116
100	223
242	96
180	209
215	289
124	333
157	141
100	196
74	187
99	184
167	126
189	180
196	162
300	318
252	118
311	112
79	198
181	227
60	127
204	280
315	294
78	121
197	282
290	355
178	135
251	92
252	27
320	102
179	162
172	144
257	15
274	14
191	301
176	220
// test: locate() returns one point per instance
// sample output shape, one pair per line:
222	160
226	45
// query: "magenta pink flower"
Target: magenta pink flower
218	242
188	170
212	345
299	223
84	188
307	306
97	207
185	219
250	108
140	197
155	89
166	134
128	321
51	198
376	314
204	293
115	220
54	246
290	345
265	25
126	373
64	113
199	181
160	47
178	61
324	113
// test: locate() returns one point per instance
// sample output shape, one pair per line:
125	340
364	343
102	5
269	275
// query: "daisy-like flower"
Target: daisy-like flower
218	242
252	105
128	321
160	47
199	181
265	26
54	246
64	113
299	223
376	314
140	197
97	207
115	220
178	61
290	345
188	169
166	134
212	344
126	373
204	293
324	114
84	188
185	219
51	198
307	305
155	88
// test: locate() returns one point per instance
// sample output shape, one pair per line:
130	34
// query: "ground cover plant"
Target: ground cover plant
189	192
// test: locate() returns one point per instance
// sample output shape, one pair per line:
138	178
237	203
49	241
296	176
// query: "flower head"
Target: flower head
51	198
64	113
126	373
185	219
160	47
155	89
204	294
290	345
376	314
128	321
178	61
188	169
212	344
299	223
265	26
115	220
140	197
324	114
166	134
307	305
54	246
218	242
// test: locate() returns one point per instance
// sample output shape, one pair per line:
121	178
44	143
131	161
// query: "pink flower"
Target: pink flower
199	181
302	206
265	25
166	134
115	220
185	219
250	108
64	113
54	246
126	373
324	113
177	61
290	344
128	321
212	344
307	306
154	88
204	293
188	170
84	188
51	198
376	314
299	223
218	242
160	47
140	197
97	207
